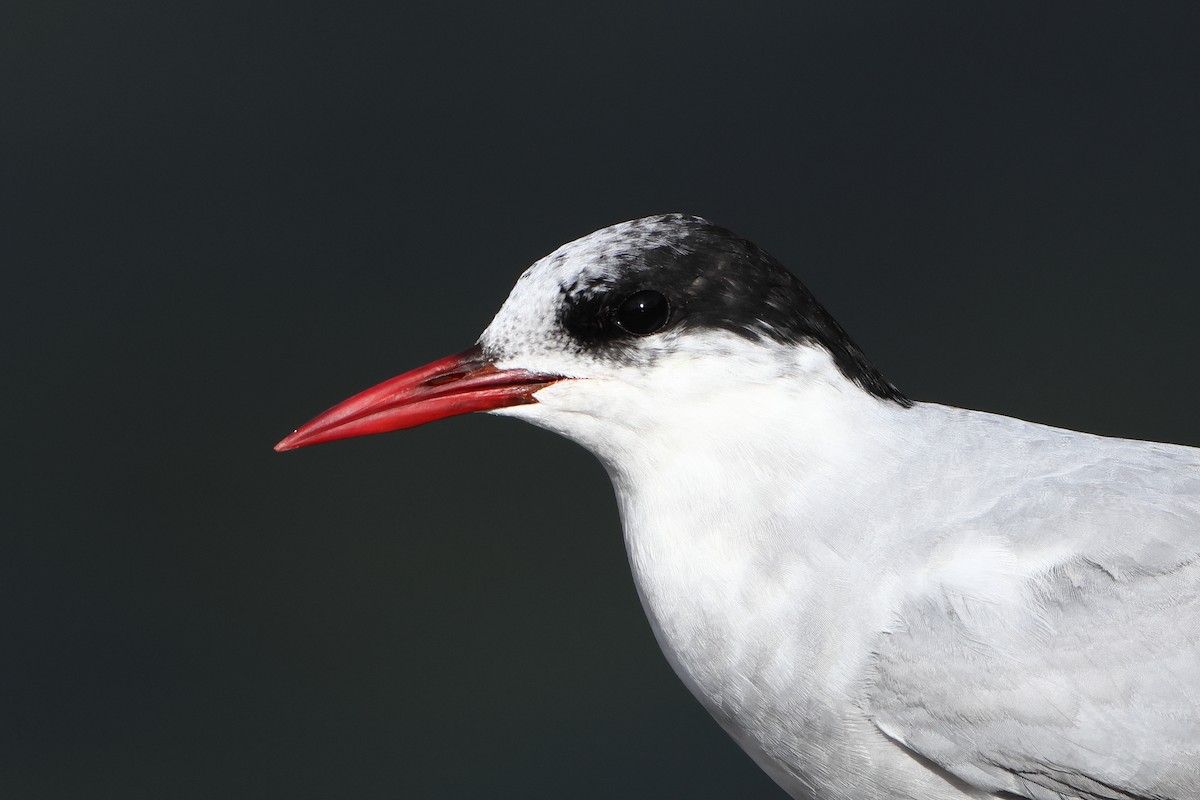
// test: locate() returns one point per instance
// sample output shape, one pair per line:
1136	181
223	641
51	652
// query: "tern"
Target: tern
876	598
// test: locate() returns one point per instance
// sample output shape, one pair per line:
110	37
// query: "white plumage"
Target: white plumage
875	599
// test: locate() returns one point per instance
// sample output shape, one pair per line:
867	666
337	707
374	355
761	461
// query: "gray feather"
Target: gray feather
1087	684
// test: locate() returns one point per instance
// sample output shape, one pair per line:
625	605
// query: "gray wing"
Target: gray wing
1084	680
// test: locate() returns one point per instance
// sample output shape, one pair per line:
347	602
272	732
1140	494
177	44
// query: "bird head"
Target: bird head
665	321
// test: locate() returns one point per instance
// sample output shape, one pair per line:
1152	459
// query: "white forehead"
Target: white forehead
527	322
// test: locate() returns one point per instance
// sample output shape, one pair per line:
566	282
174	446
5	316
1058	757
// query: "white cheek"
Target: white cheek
599	399
603	415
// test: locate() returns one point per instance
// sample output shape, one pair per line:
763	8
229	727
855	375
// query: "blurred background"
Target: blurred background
217	219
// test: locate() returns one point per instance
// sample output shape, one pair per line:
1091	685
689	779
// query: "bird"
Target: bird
874	597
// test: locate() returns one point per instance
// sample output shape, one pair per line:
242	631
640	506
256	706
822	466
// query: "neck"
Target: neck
709	470
712	469
708	516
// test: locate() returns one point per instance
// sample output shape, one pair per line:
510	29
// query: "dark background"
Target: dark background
219	218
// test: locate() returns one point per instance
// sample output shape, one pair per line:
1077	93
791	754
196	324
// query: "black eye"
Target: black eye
643	313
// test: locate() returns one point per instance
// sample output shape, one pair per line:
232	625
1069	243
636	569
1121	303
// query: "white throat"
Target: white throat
711	455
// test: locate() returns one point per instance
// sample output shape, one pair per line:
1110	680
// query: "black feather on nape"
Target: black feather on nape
712	279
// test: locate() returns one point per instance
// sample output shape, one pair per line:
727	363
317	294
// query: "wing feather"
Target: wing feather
1076	678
